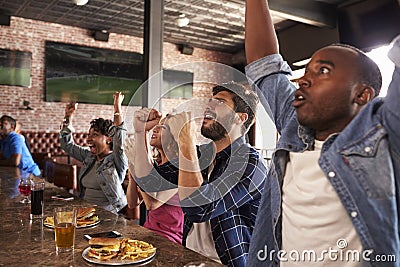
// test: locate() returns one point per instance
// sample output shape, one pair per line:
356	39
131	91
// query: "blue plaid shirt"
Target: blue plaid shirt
229	197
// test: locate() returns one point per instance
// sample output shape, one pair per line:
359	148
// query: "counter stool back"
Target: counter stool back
62	175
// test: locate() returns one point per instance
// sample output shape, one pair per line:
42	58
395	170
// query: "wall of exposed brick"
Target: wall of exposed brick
30	35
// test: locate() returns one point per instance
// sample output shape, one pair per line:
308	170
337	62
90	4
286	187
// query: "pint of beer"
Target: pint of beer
64	228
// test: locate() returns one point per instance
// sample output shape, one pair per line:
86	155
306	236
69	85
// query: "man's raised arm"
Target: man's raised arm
260	36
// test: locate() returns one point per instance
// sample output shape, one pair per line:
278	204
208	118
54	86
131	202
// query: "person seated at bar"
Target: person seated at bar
104	161
220	183
334	182
13	148
165	215
18	130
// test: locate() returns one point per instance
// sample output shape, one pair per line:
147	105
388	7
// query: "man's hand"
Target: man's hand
145	119
182	126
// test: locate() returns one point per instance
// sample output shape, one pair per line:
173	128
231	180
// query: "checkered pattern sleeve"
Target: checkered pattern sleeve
162	177
232	184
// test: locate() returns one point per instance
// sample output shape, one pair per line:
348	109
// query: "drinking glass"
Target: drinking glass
64	228
25	189
37	199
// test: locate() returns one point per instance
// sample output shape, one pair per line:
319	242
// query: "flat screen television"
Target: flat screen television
90	75
15	68
177	84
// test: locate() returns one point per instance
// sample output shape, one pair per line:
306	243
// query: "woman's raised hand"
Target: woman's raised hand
70	109
145	119
118	98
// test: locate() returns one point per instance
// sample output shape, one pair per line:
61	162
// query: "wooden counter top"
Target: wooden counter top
28	243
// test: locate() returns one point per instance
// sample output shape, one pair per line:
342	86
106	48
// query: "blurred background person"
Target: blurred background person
13	148
18	130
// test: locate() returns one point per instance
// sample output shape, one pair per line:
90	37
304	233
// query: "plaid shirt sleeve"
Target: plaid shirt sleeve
162	177
231	185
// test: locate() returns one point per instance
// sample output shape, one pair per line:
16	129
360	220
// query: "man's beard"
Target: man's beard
219	129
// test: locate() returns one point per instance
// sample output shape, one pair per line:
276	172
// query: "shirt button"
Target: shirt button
353	214
367	149
331	174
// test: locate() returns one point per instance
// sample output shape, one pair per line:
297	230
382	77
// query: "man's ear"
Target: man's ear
242	117
365	95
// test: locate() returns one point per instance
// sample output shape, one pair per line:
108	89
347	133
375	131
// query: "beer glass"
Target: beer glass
64	228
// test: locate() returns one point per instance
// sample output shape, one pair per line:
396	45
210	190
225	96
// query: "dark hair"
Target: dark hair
10	119
102	126
369	72
245	100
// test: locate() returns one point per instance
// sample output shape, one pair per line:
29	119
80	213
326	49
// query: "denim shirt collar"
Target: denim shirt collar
307	135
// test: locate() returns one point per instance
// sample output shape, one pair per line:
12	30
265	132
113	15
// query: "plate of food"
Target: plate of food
86	217
115	251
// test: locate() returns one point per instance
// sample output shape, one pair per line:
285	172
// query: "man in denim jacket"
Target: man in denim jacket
332	196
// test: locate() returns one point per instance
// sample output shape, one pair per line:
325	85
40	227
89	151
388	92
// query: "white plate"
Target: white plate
78	227
115	261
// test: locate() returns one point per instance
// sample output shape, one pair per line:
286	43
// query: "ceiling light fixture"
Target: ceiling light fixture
182	20
80	2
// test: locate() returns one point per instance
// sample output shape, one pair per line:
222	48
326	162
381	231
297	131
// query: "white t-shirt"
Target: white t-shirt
313	217
200	239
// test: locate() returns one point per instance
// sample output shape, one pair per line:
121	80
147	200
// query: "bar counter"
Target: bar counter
28	243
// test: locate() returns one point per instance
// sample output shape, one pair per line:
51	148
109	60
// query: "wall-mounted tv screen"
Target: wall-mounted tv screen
90	75
15	68
177	84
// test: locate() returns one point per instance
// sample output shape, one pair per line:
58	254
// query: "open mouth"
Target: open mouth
209	115
299	99
92	148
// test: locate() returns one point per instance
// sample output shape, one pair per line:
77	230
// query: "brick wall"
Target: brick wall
30	35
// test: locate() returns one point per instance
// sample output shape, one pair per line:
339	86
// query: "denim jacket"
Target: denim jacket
362	163
111	170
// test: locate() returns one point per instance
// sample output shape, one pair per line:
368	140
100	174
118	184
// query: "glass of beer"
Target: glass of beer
64	228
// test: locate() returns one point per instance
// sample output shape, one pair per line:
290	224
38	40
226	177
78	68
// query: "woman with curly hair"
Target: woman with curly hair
104	161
